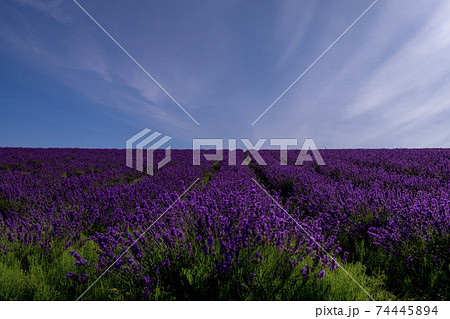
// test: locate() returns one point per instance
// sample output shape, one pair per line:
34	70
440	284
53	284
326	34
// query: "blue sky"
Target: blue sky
65	83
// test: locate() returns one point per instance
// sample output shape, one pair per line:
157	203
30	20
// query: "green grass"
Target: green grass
418	278
25	274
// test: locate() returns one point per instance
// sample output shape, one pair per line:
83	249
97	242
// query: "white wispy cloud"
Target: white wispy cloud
293	20
409	90
420	65
86	61
384	85
50	7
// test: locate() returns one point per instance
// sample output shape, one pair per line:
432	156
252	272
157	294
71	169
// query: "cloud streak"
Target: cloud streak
410	90
385	84
85	61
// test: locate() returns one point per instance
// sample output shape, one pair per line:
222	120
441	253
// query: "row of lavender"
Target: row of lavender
395	202
63	193
82	201
215	235
80	210
55	201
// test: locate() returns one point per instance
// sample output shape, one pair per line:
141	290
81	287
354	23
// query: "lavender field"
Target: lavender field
370	224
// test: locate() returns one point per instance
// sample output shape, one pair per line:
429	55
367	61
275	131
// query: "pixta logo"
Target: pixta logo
281	143
144	140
